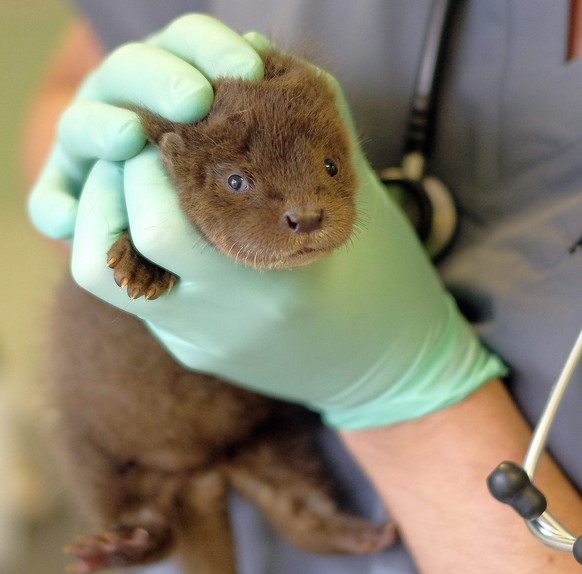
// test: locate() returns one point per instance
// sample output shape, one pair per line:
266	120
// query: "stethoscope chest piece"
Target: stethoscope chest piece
428	205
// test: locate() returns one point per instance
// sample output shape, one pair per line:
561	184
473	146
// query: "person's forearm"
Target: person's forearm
432	475
77	54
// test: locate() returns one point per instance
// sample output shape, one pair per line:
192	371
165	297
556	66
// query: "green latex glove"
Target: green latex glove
368	336
170	74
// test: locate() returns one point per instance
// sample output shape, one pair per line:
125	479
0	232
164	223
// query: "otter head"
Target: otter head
267	177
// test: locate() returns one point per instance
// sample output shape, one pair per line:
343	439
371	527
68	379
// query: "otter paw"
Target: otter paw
349	535
371	539
114	549
138	274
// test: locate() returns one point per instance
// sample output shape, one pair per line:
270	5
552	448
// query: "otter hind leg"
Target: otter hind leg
119	547
204	541
288	481
132	506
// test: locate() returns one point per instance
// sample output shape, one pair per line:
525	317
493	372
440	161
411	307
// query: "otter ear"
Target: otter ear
171	146
154	126
171	143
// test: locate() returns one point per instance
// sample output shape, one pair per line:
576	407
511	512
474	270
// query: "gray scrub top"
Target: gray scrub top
509	144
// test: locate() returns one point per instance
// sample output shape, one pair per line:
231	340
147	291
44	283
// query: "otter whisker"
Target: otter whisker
236	257
229	251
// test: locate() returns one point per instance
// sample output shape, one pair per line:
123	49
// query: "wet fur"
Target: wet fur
152	449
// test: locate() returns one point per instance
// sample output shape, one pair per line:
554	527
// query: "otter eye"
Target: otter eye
331	167
238	182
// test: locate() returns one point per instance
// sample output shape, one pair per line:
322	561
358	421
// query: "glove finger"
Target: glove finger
87	131
100	131
210	46
52	203
261	44
144	75
52	209
137	74
101	218
159	227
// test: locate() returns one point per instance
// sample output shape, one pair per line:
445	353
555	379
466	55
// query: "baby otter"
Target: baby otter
153	449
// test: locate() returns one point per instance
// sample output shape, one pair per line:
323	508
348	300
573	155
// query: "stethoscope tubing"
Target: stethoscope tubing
542	430
546	528
514	485
422	113
426	201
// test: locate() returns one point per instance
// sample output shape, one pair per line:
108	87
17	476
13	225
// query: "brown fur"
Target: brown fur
152	449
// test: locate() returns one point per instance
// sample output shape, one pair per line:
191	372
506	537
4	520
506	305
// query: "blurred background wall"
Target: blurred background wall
34	523
29	31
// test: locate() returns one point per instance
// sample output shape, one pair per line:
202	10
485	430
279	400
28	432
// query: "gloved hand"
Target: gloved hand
170	74
367	336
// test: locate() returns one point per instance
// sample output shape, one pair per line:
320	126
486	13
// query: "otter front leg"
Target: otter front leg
138	274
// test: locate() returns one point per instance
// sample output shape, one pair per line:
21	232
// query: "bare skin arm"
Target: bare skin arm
78	53
432	475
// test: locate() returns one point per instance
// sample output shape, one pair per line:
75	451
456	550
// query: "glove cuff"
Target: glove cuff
450	367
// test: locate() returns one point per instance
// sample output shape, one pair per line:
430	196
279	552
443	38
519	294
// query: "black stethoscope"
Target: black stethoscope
430	207
426	200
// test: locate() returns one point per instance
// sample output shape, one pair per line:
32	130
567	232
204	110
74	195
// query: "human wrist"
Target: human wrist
449	454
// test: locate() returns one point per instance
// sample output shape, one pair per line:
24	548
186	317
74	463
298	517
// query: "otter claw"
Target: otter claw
171	283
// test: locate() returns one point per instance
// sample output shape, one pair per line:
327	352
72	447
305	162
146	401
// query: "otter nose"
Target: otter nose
304	220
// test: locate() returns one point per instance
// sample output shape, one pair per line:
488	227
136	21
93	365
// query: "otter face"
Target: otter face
268	177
